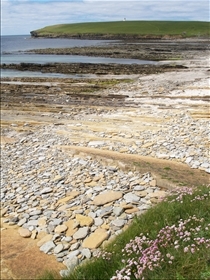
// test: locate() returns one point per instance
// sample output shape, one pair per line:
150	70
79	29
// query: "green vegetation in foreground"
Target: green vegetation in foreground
169	241
139	28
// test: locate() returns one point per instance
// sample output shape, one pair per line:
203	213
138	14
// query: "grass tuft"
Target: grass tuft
49	275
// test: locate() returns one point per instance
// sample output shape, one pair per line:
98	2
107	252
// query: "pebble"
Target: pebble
86	253
81	233
71	263
58	248
24	232
130	197
77	202
47	247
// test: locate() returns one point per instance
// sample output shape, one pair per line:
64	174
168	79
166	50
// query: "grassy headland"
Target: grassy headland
126	29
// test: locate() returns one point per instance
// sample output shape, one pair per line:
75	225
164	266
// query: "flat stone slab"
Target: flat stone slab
118	222
61	228
95	239
96	143
70	196
107	197
81	233
71	227
47	190
84	220
130	197
48	246
58	248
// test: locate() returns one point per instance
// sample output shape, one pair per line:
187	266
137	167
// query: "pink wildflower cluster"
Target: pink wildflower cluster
181	192
104	255
146	254
201	197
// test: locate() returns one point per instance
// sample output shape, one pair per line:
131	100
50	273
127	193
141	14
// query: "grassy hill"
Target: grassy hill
126	29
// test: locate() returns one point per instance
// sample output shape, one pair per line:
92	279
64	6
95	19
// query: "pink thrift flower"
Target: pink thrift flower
192	250
186	249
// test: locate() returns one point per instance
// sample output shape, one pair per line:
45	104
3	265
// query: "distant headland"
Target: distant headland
126	30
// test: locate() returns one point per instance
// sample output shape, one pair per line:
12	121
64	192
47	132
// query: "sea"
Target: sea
14	50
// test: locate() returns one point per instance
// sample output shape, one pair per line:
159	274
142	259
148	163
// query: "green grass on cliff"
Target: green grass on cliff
139	28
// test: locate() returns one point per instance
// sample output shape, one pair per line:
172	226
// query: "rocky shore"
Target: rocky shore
92	68
81	158
143	49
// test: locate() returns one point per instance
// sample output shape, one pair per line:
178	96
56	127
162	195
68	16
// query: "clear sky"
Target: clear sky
23	16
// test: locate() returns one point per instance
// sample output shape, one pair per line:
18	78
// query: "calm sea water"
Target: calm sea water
17	43
13	50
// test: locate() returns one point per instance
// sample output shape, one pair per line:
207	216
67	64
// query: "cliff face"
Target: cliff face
34	34
96	36
99	36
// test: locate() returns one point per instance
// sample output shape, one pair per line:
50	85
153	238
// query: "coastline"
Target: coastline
153	119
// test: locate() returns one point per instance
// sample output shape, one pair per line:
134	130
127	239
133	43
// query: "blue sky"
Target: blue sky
23	16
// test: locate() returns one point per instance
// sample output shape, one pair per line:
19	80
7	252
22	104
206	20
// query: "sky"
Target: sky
19	17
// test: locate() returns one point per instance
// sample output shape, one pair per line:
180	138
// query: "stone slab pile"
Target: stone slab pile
179	137
70	204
